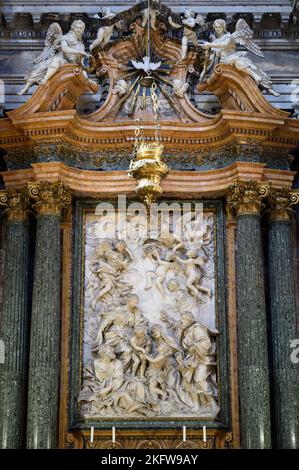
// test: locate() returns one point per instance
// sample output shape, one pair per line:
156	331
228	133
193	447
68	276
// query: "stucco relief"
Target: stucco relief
150	337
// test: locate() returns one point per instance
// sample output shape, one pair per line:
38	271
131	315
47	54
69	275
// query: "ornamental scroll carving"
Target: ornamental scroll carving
150	337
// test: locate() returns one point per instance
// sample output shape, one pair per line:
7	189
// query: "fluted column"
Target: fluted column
285	374
245	201
43	390
14	327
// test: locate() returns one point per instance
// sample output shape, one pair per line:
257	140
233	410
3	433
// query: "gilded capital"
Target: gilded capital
15	203
245	197
50	198
281	202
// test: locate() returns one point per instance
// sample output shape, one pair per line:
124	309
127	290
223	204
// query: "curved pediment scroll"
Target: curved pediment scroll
237	91
59	93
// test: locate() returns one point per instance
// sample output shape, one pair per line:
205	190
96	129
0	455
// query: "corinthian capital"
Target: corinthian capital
245	197
50	198
16	204
281	202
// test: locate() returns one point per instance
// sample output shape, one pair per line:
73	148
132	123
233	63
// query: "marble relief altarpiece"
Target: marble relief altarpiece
149	320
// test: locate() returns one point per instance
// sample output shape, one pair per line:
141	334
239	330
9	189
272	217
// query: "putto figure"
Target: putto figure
223	50
190	21
59	51
105	32
150	14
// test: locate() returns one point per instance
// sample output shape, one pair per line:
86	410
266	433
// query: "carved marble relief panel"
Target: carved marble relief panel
149	327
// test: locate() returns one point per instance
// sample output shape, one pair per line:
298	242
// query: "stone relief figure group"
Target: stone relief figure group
140	367
222	47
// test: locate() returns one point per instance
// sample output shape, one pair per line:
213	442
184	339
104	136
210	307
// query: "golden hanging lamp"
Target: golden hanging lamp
148	167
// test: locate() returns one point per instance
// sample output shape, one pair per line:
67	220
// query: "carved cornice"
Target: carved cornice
227	128
246	197
16	204
281	202
181	184
50	198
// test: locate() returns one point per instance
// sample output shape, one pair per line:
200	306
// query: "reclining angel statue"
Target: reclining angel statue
60	49
223	50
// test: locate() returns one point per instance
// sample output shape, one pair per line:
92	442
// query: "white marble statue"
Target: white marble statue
60	49
194	265
105	32
190	21
223	50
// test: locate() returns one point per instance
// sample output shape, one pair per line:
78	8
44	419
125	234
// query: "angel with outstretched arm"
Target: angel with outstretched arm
223	50
189	22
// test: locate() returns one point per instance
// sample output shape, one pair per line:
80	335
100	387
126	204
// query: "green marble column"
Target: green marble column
285	374
14	326
43	389
254	390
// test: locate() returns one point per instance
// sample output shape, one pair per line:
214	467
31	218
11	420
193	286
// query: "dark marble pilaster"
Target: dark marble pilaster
43	390
285	373
254	391
14	325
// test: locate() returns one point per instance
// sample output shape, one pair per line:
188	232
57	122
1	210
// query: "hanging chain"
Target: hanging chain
156	110
138	135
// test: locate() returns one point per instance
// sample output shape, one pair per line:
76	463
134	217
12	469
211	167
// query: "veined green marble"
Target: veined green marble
285	374
14	332
254	388
42	424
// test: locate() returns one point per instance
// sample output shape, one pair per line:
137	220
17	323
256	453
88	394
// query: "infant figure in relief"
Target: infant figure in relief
140	342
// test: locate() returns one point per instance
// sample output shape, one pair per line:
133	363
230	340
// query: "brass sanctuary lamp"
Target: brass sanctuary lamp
148	167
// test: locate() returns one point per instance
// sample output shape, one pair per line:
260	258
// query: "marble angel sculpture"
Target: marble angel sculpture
194	271
59	50
223	50
105	32
190	21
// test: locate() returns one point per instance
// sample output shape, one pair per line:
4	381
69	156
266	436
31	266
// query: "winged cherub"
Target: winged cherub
59	50
223	49
189	23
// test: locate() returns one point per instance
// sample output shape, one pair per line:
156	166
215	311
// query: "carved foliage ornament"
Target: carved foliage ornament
15	203
281	203
246	197
51	198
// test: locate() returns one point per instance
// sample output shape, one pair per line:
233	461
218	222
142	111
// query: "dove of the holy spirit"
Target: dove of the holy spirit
146	65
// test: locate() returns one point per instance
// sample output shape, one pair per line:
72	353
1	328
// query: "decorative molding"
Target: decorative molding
107	184
142	439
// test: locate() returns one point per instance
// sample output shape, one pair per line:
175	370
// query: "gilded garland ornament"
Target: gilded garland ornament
16	204
51	198
245	197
